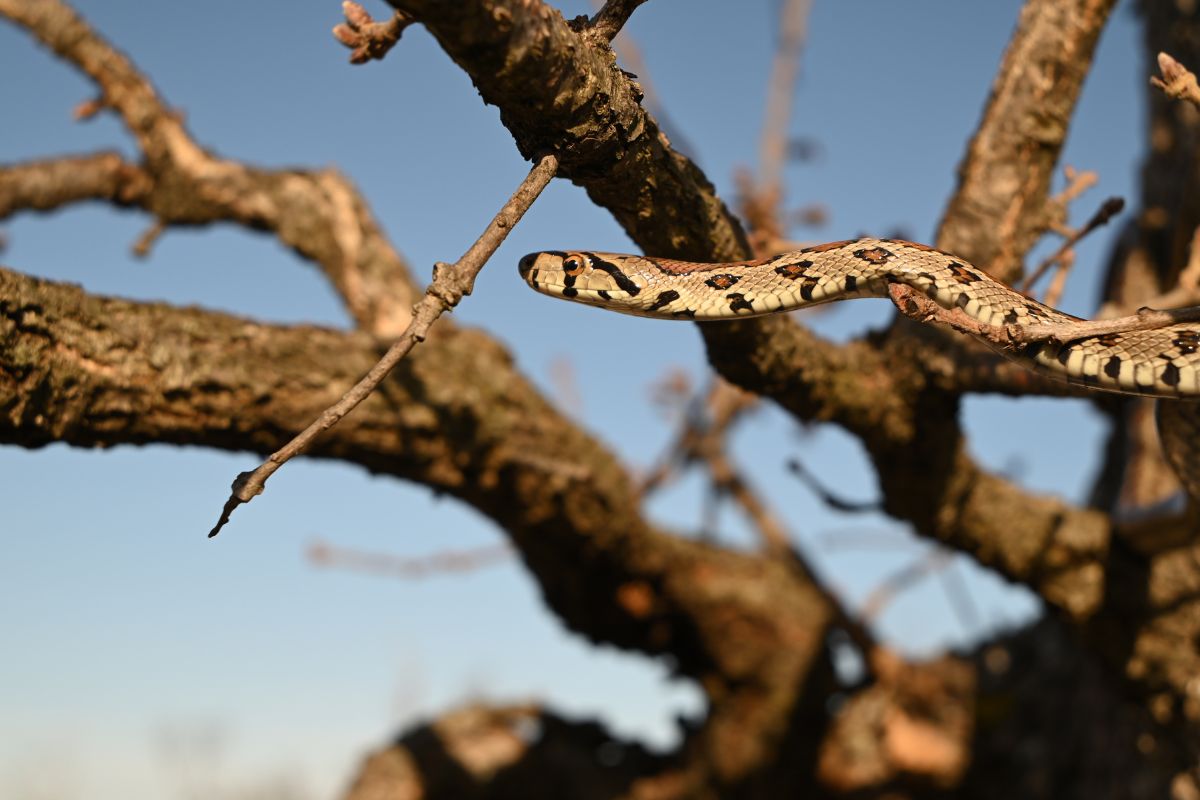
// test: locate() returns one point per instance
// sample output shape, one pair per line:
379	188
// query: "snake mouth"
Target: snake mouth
525	266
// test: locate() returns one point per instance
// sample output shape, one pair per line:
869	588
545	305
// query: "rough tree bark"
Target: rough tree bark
1118	658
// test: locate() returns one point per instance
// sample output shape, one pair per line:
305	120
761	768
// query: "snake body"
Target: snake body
1163	362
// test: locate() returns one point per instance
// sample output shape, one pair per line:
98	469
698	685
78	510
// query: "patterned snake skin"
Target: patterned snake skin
1158	363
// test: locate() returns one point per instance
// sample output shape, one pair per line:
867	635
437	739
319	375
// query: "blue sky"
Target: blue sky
126	630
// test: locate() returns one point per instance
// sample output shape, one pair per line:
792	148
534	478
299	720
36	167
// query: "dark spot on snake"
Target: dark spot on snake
961	273
664	298
1064	354
1034	311
793	271
1011	317
603	295
569	291
568	279
851	283
963	300
623	281
806	289
722	281
1187	342
1033	350
874	255
1109	340
738	302
1112	367
687	312
1170	374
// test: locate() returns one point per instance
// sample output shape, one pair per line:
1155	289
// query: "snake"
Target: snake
1162	362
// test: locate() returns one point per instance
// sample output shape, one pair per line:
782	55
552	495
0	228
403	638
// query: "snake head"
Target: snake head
593	278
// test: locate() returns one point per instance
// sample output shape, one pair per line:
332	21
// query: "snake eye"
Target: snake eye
573	265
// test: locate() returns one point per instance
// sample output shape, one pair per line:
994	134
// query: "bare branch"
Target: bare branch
450	284
1109	209
320	215
609	20
1177	81
369	40
323	554
997	213
54	183
827	497
921	308
781	88
883	594
1185	292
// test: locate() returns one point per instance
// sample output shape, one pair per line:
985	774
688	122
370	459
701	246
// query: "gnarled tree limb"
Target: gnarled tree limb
318	214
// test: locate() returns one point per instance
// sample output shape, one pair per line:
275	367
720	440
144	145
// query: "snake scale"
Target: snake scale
1163	362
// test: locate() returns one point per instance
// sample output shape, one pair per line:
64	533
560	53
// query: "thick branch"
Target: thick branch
454	416
559	93
555	91
320	215
999	210
54	183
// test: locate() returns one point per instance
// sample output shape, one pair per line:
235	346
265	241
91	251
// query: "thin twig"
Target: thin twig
1177	80
141	248
883	594
1186	291
728	479
827	497
450	284
703	439
1058	283
1077	183
1146	319
760	199
781	88
323	554
1108	209
958	593
609	20
369	40
915	305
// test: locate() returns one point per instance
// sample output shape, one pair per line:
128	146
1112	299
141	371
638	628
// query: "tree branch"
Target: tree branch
555	91
608	21
368	40
999	210
450	284
1177	81
558	93
320	215
51	184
